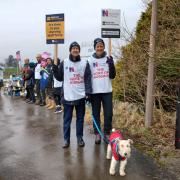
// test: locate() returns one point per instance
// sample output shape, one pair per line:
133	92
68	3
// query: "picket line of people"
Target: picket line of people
73	82
38	78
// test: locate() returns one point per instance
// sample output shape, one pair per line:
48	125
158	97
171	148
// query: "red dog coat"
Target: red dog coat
114	145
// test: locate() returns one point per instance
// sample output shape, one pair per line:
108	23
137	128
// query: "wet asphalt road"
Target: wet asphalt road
30	149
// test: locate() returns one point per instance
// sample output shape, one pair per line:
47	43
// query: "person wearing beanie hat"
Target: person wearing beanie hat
76	76
74	44
103	71
30	82
98	40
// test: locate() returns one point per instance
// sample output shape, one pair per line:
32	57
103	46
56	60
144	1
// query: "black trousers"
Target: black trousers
31	93
106	100
57	95
28	93
37	81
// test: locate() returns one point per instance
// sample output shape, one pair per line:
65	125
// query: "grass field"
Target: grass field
9	71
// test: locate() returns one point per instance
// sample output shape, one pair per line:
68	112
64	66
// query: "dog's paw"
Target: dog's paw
112	172
122	173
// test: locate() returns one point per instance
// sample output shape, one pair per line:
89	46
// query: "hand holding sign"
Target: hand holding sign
110	60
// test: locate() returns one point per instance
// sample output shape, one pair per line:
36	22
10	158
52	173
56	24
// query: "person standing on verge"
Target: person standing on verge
76	76
103	71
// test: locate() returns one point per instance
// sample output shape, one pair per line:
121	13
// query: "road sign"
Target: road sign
110	23
55	29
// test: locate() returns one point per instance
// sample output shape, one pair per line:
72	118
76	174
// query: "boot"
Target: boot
52	105
98	139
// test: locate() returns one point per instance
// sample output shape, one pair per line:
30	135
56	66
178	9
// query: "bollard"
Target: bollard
177	134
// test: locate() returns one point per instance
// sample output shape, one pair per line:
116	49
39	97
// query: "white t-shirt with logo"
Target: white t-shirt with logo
37	71
74	87
101	83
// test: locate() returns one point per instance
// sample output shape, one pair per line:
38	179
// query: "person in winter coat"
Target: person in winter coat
50	104
103	71
57	91
76	76
30	82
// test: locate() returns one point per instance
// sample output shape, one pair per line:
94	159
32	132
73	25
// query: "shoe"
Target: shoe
28	100
38	103
80	142
98	139
42	104
106	136
31	102
58	110
66	144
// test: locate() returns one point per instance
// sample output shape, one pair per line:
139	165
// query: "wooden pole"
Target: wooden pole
110	46
55	54
150	80
177	132
17	67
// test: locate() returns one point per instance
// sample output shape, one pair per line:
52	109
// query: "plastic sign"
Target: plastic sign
55	29
110	23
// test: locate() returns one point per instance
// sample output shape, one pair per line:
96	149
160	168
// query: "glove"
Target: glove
110	60
88	99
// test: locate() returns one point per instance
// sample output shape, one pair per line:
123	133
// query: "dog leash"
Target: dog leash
94	121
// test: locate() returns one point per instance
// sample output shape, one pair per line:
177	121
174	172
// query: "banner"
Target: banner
55	29
110	23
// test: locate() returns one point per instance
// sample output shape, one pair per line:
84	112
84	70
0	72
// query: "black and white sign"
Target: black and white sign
110	23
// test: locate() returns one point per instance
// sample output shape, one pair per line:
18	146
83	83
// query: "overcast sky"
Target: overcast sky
23	23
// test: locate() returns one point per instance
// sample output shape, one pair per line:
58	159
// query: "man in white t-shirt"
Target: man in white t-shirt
37	79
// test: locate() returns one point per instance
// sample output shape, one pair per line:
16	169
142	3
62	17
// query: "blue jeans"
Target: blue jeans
68	113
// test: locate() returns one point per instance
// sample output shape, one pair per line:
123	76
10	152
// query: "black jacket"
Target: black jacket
50	77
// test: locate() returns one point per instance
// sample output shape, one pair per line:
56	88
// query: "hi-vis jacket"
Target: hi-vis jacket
74	87
101	83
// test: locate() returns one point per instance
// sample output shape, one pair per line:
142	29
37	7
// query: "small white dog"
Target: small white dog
120	150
